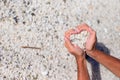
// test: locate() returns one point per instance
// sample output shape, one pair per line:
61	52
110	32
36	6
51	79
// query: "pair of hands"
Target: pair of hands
89	45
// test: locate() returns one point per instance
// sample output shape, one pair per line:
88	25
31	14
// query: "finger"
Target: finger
76	46
69	32
68	43
82	27
92	35
91	40
92	31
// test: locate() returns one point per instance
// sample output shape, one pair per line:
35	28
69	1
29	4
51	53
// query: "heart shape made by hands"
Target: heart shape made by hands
79	38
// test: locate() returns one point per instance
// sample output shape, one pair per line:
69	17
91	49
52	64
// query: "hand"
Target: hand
72	48
91	40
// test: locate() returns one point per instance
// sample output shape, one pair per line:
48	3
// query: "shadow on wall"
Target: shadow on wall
95	65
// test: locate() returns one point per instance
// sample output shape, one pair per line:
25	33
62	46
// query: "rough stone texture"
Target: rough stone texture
42	23
79	39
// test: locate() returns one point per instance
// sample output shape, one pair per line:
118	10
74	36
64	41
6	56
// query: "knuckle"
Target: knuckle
78	26
71	30
66	32
94	32
65	45
71	50
84	24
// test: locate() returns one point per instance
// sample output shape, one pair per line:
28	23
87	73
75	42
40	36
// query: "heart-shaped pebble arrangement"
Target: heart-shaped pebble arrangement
79	39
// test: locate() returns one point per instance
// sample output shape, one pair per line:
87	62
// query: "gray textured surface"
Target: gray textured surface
42	23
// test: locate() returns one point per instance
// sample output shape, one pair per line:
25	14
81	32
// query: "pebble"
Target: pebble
42	24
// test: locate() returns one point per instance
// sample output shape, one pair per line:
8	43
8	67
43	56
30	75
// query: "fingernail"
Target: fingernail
75	45
65	38
90	28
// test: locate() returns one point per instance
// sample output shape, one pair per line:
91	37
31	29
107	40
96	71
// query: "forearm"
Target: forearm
112	63
82	69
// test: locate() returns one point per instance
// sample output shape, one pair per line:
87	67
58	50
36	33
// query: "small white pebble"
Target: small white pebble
105	30
79	39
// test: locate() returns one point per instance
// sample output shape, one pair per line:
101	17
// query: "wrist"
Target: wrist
91	51
79	55
80	58
80	62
